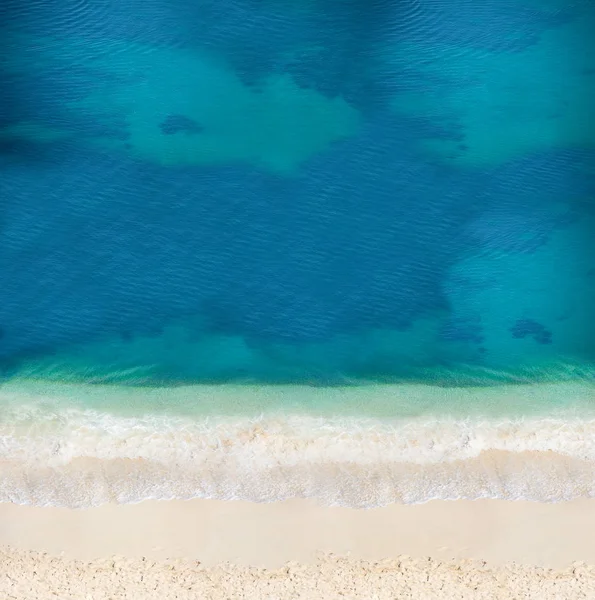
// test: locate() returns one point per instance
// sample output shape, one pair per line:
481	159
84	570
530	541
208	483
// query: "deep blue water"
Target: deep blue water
321	191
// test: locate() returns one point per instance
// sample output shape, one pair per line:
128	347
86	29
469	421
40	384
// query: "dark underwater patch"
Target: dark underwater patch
529	327
173	124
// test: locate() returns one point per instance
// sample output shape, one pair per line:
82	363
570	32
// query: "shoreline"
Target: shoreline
359	482
59	451
367	400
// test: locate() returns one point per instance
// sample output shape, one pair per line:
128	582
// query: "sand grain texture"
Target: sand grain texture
213	549
34	576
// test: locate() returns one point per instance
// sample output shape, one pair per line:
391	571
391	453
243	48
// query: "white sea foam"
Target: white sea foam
66	454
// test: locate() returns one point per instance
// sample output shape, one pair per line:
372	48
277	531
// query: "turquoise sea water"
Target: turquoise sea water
254	249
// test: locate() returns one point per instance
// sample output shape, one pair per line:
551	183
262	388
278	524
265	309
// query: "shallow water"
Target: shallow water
81	445
263	215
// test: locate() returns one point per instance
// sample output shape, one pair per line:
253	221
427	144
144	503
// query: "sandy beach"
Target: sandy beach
218	549
70	474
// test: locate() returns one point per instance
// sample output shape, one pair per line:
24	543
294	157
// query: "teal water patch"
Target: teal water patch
328	198
506	104
514	318
276	126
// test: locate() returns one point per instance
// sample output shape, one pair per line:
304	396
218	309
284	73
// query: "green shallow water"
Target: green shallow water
398	400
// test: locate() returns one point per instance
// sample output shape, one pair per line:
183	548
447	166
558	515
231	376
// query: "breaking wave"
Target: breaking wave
59	452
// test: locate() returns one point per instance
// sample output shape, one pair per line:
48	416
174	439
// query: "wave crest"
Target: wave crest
74	456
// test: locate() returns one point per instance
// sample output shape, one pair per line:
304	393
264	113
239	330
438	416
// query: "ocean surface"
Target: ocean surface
337	250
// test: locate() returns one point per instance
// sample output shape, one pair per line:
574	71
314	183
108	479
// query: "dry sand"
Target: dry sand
215	549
